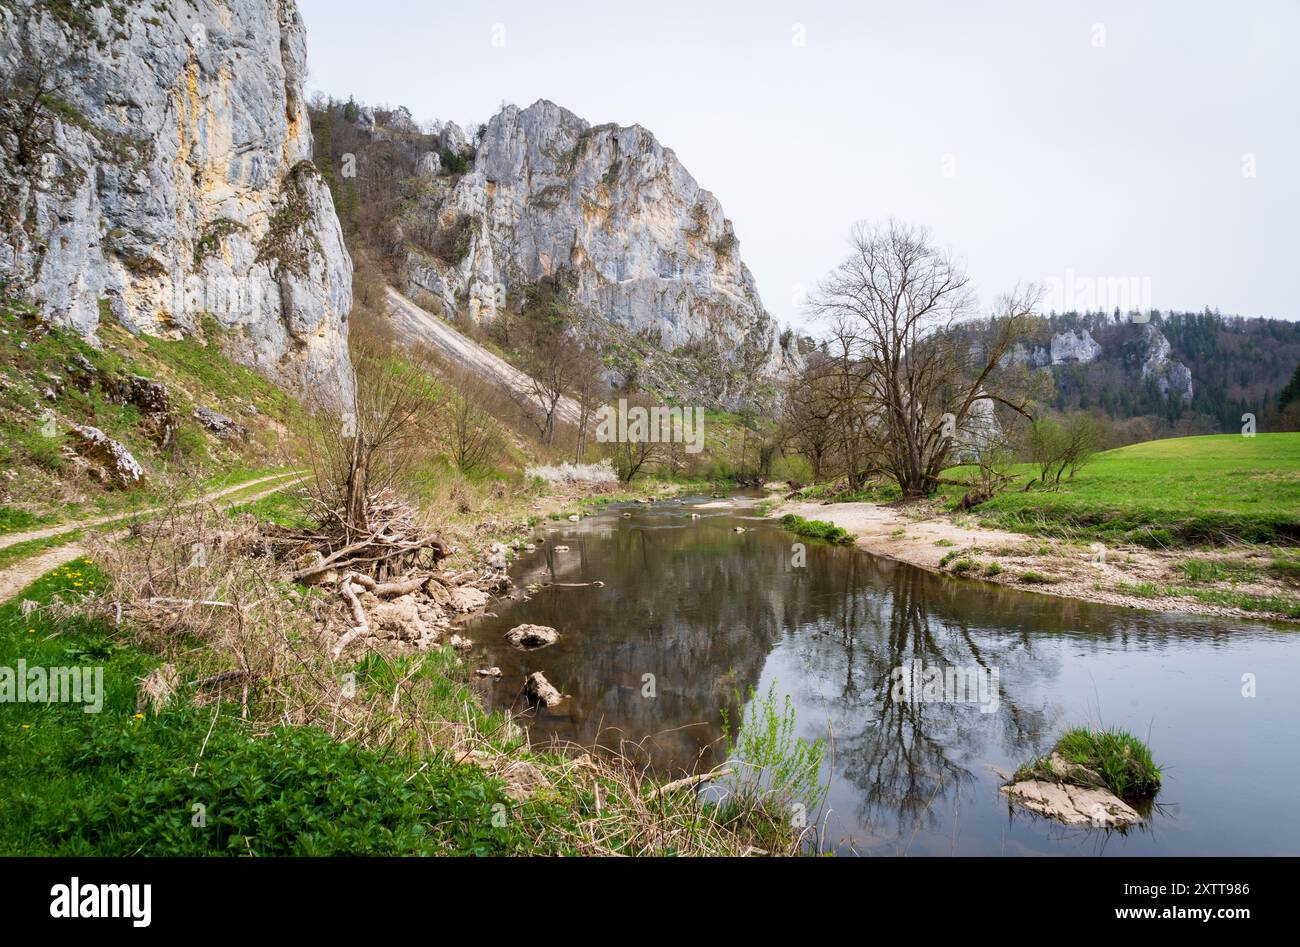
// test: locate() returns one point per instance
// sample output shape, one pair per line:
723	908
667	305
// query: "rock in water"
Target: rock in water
181	181
1077	796
1073	805
540	691
532	636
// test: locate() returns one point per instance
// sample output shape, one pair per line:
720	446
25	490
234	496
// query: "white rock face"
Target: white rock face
430	166
615	214
1074	347
1066	348
173	179
1173	378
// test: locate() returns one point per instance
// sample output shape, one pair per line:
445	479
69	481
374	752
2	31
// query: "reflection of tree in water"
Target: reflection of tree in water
909	759
699	608
702	608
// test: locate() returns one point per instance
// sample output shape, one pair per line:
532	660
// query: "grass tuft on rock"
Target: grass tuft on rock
1113	758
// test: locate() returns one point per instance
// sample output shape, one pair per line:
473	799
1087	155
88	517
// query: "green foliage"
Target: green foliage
816	529
128	783
1216	489
1035	578
1121	761
773	768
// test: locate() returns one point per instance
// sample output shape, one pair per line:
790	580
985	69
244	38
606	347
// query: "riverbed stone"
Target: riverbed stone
532	636
540	691
1073	805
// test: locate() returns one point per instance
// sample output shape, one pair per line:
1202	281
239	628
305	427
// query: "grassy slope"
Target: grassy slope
43	486
1187	490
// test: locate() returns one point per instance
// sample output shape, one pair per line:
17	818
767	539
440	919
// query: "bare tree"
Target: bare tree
471	434
365	447
895	304
808	418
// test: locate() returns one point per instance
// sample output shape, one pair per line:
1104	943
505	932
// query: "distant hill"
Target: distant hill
1188	372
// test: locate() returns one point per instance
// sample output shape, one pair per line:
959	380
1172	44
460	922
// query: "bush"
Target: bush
816	529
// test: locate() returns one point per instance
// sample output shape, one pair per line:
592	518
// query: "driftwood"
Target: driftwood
687	783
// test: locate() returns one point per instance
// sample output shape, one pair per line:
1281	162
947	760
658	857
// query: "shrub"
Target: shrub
816	529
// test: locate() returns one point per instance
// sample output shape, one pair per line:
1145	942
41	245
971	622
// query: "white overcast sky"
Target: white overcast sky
1037	140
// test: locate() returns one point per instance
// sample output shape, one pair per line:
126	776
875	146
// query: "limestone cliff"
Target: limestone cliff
613	215
155	168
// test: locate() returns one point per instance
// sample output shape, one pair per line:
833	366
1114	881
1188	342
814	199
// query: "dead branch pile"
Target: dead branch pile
392	543
196	576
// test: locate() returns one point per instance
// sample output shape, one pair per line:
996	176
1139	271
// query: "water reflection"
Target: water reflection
704	613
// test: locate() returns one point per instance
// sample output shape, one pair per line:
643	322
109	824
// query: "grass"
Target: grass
1231	598
1185	491
136	784
34	547
215	778
1031	577
1113	758
816	529
37	365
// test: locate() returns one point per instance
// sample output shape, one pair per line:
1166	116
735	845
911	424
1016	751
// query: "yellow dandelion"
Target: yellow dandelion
27	726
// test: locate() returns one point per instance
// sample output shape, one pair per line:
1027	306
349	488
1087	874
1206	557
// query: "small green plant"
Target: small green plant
773	769
993	568
964	565
1035	578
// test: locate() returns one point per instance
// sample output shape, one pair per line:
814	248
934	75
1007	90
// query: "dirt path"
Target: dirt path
926	537
24	572
14	539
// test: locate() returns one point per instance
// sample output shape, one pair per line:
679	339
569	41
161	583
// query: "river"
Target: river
692	612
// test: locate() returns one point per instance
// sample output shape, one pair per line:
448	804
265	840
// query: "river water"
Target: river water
710	613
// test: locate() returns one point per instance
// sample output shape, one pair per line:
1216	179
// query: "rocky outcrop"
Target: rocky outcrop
219	424
610	215
117	466
1173	378
155	169
1065	348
